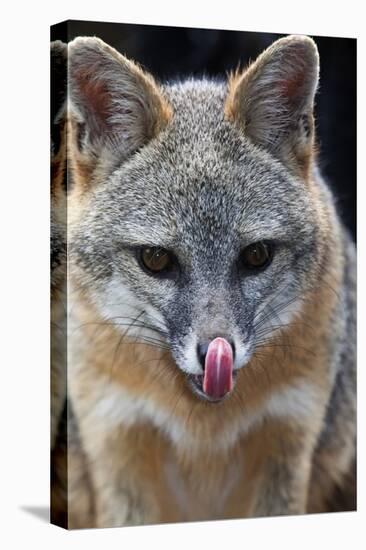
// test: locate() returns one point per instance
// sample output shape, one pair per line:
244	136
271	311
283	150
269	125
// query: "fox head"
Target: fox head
196	218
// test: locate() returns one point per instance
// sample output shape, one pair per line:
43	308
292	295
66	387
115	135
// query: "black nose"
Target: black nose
202	351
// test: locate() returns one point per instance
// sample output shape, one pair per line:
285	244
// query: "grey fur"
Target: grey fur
205	191
204	188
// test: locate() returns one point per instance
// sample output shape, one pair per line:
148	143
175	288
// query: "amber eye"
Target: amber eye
256	256
156	260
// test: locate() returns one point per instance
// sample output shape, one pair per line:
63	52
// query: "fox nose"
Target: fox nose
203	347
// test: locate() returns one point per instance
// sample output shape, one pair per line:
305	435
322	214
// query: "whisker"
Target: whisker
121	340
286	346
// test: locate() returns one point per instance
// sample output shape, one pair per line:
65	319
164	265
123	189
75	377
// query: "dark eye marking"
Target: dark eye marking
157	261
256	256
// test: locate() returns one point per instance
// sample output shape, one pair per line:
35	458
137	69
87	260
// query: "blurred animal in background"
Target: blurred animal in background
58	232
58	280
65	444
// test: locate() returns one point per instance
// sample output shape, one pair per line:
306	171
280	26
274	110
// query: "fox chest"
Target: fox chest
176	474
199	493
182	485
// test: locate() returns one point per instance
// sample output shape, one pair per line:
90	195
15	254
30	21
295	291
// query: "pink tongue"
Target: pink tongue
218	376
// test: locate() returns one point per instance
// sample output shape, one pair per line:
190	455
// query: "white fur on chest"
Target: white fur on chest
116	406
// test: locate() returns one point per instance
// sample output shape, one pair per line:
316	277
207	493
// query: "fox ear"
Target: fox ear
272	101
115	107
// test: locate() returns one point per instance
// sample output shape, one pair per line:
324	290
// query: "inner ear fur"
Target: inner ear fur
272	101
115	107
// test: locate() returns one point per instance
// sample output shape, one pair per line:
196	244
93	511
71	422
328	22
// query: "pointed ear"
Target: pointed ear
115	107
272	101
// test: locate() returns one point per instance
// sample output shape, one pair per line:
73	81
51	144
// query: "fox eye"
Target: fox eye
156	260
256	256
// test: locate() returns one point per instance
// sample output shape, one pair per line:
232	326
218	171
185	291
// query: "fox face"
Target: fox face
197	225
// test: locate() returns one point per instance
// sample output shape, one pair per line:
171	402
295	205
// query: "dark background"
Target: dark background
171	52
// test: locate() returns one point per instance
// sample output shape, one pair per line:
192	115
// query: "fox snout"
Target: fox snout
202	348
216	358
215	346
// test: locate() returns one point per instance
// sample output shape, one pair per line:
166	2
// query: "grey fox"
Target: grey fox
212	333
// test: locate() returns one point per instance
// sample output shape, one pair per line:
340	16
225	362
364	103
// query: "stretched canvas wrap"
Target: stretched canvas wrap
203	296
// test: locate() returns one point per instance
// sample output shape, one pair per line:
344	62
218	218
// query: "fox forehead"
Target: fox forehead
199	180
168	191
